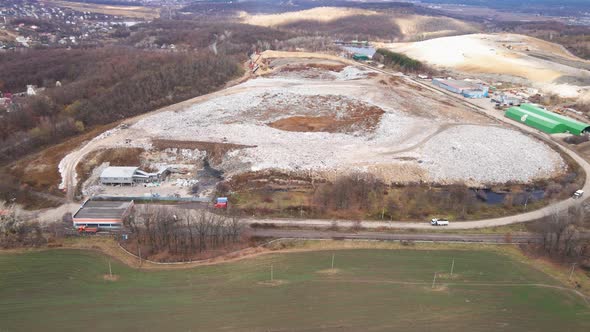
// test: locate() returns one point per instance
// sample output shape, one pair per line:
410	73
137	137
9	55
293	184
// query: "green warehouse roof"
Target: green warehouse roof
546	121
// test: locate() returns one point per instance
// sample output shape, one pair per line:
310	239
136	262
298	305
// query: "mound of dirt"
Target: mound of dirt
329	271
110	277
273	283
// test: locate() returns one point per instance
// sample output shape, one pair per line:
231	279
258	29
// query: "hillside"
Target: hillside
382	24
508	57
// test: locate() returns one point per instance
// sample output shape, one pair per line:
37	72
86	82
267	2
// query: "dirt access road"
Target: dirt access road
68	165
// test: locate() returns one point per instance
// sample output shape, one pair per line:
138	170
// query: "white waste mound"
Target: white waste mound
402	146
488	155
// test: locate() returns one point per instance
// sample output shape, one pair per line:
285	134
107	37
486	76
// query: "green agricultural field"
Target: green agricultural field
369	290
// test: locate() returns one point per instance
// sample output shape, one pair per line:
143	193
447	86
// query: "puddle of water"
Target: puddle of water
495	198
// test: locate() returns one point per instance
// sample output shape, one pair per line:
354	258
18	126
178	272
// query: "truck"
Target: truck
439	222
578	194
221	203
87	230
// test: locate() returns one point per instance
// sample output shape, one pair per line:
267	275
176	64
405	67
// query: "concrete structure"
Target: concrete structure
105	215
130	175
469	89
546	121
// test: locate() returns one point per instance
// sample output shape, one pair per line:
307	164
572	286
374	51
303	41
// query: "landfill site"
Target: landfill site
321	117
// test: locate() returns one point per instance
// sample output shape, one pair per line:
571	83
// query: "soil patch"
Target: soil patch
447	276
110	277
438	288
273	283
362	118
329	271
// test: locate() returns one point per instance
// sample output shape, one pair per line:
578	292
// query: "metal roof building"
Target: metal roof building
469	89
118	175
102	214
130	175
546	121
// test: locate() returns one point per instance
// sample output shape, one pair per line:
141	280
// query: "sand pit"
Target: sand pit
516	56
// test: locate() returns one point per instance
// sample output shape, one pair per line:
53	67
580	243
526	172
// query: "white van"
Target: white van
439	222
578	194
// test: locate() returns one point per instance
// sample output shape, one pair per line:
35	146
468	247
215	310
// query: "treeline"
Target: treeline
364	195
564	235
358	27
164	233
224	38
400	61
15	232
99	86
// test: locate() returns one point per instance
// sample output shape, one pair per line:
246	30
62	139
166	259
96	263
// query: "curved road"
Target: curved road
73	158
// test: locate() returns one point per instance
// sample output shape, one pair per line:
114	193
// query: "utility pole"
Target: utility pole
333	261
572	271
110	270
452	267
271	273
434	280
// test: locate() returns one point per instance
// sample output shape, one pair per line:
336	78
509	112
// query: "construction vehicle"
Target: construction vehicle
87	230
254	63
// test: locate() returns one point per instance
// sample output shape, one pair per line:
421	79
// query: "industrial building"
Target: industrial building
104	215
361	57
469	89
545	120
117	175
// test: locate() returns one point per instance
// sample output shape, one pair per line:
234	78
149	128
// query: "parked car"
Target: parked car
578	194
439	222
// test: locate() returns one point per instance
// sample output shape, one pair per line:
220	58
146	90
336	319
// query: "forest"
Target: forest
98	86
400	61
170	234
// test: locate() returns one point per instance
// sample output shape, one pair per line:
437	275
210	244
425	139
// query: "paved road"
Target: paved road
419	237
